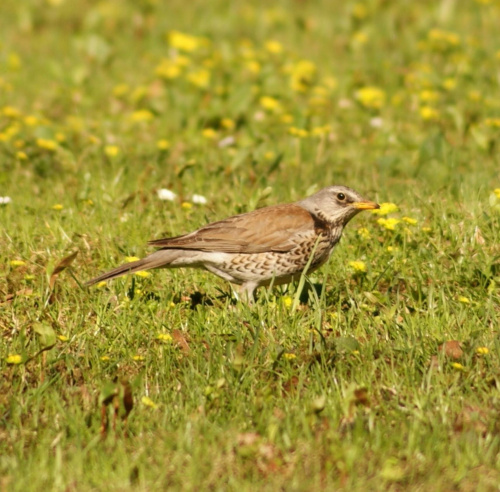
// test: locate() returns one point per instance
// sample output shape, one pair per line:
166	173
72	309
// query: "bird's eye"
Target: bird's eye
341	196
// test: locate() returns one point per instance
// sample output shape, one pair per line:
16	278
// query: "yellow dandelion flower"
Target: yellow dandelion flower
162	144
371	97
270	155
463	300
360	38
364	233
186	205
12	130
428	96
358	266
426	229
21	155
164	337
11	112
17	263
270	103
492	122
427	113
386	208
410	221
458	366
289	356
60	137
482	350
46	143
105	358
319	131
440	40
273	47
449	84
167	69
228	123
496	191
148	402
389	224
183	42
137	357
287	301
141	115
253	66
102	284
14	359
209	133
63	338
57	206
302	75
200	78
142	274
111	150
131	259
298	132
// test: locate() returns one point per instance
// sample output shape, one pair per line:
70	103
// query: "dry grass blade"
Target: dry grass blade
62	265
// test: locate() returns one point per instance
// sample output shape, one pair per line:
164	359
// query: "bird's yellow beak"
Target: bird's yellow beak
366	205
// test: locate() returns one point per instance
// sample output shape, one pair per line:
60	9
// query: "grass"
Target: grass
386	374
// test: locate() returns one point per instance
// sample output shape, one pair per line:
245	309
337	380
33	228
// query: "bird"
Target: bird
273	245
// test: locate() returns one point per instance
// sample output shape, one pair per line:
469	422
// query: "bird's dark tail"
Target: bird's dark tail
158	259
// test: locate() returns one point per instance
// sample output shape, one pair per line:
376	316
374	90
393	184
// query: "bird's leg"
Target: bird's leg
245	292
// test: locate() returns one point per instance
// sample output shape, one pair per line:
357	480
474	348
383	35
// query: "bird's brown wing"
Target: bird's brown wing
267	229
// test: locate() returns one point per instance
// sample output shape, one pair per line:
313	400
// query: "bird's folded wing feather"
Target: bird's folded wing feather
275	228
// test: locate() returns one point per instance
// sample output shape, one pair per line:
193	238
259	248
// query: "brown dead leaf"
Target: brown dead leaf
181	341
361	397
118	396
471	418
62	265
22	292
452	349
290	385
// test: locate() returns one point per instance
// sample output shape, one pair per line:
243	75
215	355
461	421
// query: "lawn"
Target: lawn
126	121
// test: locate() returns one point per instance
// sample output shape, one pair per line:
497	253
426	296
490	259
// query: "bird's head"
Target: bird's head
337	205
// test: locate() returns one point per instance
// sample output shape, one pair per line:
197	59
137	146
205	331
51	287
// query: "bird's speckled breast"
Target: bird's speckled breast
277	267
